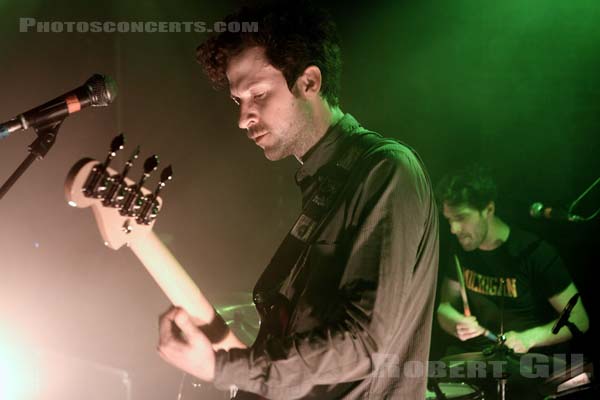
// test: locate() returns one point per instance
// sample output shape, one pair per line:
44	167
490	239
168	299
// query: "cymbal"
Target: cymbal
500	353
496	361
238	311
492	353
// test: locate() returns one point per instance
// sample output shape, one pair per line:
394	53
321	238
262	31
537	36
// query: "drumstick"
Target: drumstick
463	294
463	289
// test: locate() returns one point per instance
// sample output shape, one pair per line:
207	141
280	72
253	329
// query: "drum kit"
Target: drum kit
499	373
494	366
490	371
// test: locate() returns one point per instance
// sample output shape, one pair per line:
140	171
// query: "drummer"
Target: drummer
500	267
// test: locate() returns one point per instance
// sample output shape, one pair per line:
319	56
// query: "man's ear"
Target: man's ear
309	83
490	209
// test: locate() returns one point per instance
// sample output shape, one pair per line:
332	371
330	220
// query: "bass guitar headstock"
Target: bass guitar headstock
124	209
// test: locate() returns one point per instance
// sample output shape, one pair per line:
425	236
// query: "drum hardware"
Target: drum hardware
453	391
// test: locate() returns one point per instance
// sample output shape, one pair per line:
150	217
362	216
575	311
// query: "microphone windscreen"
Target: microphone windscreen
102	90
536	210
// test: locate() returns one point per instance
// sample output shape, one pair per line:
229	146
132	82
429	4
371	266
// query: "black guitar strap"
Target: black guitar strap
331	178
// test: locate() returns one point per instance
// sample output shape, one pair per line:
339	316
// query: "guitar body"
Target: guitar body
274	313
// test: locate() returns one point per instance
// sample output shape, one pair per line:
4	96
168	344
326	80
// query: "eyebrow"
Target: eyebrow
250	85
248	88
457	215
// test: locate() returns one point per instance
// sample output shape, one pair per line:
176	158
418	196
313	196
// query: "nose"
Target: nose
248	116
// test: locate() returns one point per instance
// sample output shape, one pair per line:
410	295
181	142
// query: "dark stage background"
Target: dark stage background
512	84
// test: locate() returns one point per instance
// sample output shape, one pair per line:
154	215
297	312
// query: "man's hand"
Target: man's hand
468	328
184	346
520	342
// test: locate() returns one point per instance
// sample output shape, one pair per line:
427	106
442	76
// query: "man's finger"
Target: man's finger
464	326
165	327
468	328
470	335
183	320
171	311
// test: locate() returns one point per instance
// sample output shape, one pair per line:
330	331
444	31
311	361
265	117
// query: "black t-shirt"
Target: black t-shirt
518	277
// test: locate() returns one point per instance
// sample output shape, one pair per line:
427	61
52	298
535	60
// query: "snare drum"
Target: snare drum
456	391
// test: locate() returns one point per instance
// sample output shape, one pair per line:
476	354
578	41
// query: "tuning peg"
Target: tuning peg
151	207
150	166
165	176
134	200
117	144
134	156
119	190
99	181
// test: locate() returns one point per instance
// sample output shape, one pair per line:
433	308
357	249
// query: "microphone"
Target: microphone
566	313
98	91
539	210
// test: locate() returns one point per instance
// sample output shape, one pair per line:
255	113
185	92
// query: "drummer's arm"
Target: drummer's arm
447	315
542	335
450	318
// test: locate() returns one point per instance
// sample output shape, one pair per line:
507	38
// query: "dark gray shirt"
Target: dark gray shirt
363	295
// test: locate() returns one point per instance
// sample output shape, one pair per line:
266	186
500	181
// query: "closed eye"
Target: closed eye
457	218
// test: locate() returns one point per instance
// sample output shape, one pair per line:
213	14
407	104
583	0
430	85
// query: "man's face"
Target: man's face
468	224
274	117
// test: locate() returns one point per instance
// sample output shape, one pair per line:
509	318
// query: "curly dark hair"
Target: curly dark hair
294	36
473	186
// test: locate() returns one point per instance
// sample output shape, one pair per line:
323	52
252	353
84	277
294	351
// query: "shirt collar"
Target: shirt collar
322	152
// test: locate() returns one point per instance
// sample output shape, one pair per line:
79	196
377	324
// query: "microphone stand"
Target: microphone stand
577	200
37	150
